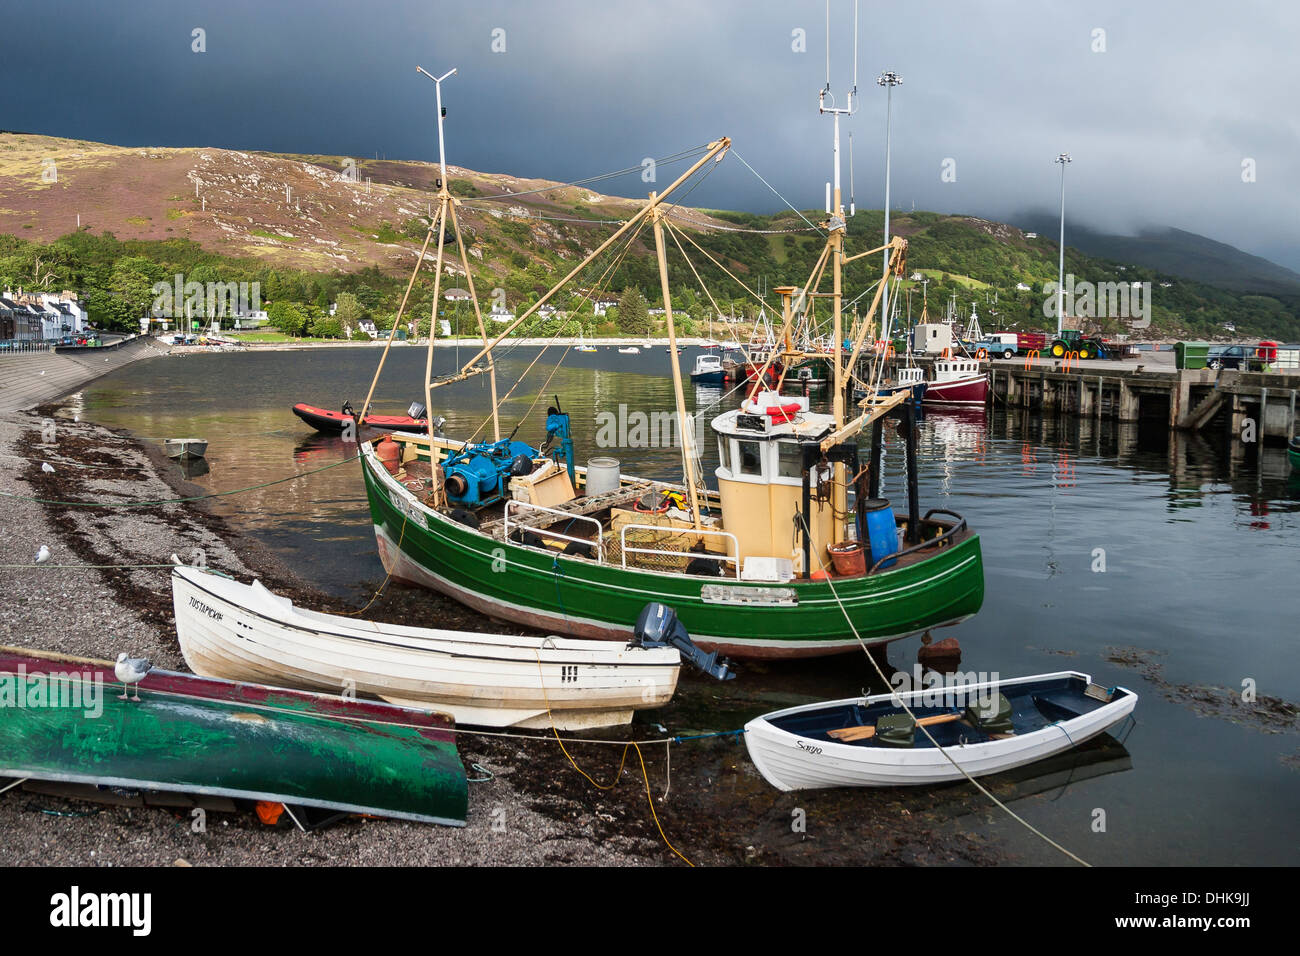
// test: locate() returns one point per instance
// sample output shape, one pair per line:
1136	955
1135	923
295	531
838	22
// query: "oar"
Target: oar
866	733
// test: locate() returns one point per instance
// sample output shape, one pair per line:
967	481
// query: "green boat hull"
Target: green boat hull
1294	456
204	736
584	598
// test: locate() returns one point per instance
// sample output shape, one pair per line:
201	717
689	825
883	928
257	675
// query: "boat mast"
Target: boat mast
683	422
446	210
836	227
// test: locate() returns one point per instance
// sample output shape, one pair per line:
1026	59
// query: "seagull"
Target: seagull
42	555
47	468
131	670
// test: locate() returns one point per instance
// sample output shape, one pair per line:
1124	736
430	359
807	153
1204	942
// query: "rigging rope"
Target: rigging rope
175	501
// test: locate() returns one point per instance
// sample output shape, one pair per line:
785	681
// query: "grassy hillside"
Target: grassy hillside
308	234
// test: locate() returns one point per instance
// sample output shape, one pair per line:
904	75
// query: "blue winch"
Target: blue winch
478	474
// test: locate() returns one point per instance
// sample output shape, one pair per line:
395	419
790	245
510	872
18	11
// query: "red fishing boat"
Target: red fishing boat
957	381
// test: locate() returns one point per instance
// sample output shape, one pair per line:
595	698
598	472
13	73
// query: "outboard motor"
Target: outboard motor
657	626
416	410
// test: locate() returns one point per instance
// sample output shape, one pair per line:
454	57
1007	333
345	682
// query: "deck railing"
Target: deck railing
622	543
598	542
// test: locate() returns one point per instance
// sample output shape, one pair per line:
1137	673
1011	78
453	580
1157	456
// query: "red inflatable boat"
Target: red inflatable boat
333	423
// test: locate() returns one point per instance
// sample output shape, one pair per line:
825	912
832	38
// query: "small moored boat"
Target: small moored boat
957	381
1293	453
333	423
183	449
197	735
985	728
245	632
708	370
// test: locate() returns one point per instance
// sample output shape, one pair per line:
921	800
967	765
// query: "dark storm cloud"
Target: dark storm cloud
1158	124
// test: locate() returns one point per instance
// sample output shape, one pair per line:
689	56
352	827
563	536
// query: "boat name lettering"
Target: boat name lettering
204	609
810	748
728	594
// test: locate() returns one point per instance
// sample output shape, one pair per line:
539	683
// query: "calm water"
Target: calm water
1200	552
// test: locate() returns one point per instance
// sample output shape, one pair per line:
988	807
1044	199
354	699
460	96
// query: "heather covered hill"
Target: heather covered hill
310	227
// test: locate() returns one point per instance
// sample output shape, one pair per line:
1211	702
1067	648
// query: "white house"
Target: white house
601	306
1021	287
456	295
27	316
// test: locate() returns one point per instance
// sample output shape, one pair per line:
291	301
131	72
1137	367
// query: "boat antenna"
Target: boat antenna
437	82
852	204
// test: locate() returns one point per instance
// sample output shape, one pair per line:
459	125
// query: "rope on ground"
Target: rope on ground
924	729
644	774
387	577
176	501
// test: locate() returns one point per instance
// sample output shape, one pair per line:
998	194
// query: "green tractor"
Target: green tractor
1073	340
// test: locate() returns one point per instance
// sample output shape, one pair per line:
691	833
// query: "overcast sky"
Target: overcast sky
1158	125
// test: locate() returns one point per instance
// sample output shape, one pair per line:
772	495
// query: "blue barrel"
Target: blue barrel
882	531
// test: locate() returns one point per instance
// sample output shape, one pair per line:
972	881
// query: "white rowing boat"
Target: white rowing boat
244	632
183	449
985	728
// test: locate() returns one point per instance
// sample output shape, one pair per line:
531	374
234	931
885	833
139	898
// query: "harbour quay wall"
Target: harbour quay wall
28	379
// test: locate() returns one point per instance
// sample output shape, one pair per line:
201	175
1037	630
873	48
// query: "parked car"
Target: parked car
1230	356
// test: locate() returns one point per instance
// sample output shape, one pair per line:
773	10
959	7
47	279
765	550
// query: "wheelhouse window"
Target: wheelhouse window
749	458
789	460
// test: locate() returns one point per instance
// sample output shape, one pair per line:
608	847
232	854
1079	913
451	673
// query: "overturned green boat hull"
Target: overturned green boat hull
584	598
61	719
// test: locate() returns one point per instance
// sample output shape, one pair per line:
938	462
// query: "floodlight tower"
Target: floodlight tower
888	80
1063	159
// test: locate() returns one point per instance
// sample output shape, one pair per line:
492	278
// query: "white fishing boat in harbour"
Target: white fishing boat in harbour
244	632
981	728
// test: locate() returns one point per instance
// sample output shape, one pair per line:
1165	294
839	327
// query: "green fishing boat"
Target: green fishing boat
1293	453
62	719
788	552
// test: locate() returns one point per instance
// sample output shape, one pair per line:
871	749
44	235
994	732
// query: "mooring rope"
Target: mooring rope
176	501
633	744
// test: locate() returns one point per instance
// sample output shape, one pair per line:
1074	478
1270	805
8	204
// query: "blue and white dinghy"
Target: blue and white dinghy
985	727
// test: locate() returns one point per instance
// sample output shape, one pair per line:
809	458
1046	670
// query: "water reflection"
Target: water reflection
1198	536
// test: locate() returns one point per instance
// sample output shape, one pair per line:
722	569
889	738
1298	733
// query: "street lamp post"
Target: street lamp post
1060	271
888	80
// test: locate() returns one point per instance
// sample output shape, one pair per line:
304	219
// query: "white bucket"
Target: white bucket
603	475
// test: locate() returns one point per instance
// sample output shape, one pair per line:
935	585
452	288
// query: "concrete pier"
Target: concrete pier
1150	389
